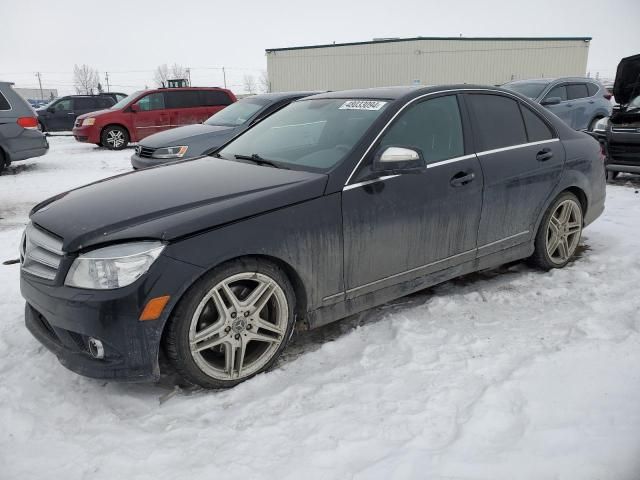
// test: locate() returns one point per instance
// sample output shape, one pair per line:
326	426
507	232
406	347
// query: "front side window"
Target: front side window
123	102
497	121
84	103
311	134
63	105
559	91
237	113
433	127
153	101
576	91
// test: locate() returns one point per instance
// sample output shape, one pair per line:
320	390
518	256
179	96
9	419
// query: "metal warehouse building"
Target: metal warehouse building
425	61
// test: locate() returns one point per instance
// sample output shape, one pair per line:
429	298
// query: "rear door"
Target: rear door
151	117
184	107
402	227
562	109
521	159
578	95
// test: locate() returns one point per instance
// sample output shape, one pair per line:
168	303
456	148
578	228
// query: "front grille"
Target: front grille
40	253
145	152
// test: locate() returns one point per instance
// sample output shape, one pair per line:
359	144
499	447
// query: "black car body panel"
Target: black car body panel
202	139
146	204
621	134
347	239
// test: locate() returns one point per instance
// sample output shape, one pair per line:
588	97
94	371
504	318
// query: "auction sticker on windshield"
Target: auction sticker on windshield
362	105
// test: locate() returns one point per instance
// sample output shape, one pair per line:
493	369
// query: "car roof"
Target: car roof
403	92
557	79
276	96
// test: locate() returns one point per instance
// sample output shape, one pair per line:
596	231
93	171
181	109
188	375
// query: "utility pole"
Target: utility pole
224	76
40	83
106	77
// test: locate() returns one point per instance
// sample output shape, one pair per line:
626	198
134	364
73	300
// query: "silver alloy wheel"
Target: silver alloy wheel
238	326
115	138
563	231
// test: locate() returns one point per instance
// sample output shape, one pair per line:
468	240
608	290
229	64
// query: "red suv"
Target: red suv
147	112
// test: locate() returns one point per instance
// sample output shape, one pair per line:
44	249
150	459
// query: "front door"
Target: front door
402	227
151	117
62	116
521	159
564	109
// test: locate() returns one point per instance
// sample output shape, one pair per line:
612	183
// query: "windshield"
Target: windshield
237	113
311	134
528	89
126	100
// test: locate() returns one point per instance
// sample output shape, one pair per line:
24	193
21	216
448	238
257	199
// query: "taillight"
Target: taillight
603	153
28	122
607	96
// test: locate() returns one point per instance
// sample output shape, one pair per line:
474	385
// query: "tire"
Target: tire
611	176
3	162
114	137
41	126
559	233
256	332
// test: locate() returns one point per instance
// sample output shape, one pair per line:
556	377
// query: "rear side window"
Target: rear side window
433	126
183	99
4	103
537	129
497	121
212	98
577	90
85	103
153	101
560	91
593	89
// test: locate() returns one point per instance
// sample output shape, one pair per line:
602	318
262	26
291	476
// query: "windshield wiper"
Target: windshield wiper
258	160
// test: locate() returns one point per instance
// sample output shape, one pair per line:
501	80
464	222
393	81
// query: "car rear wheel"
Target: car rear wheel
115	138
559	233
231	325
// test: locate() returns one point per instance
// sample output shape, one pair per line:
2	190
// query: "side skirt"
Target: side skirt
344	308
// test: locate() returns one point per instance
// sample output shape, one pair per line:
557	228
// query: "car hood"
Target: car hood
94	114
183	135
627	81
171	201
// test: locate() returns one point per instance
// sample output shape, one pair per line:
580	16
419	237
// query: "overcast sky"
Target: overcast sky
129	39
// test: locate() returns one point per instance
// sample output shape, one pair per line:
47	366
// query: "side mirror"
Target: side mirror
135	108
551	101
396	160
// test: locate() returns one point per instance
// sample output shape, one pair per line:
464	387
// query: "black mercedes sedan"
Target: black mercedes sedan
200	139
337	203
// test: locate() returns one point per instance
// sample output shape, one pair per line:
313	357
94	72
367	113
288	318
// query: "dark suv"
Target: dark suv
19	135
61	114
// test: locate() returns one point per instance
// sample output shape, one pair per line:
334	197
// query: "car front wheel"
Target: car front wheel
559	233
115	138
231	325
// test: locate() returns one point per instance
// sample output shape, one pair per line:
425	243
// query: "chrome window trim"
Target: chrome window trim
368	182
415	269
457	90
513	147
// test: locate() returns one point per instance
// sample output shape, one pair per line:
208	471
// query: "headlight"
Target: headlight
170	152
601	125
87	122
114	266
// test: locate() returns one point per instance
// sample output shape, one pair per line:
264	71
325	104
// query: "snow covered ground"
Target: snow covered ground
508	374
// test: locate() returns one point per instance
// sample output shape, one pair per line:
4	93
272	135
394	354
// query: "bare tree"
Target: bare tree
249	82
263	79
85	79
164	73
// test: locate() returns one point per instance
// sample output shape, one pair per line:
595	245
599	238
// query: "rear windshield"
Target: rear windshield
237	113
528	89
309	134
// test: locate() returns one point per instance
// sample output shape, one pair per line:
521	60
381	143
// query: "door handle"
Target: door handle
71	113
544	155
462	178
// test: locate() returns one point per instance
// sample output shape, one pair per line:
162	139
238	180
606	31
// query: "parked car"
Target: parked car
199	139
147	112
620	133
335	204
19	135
61	113
580	102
